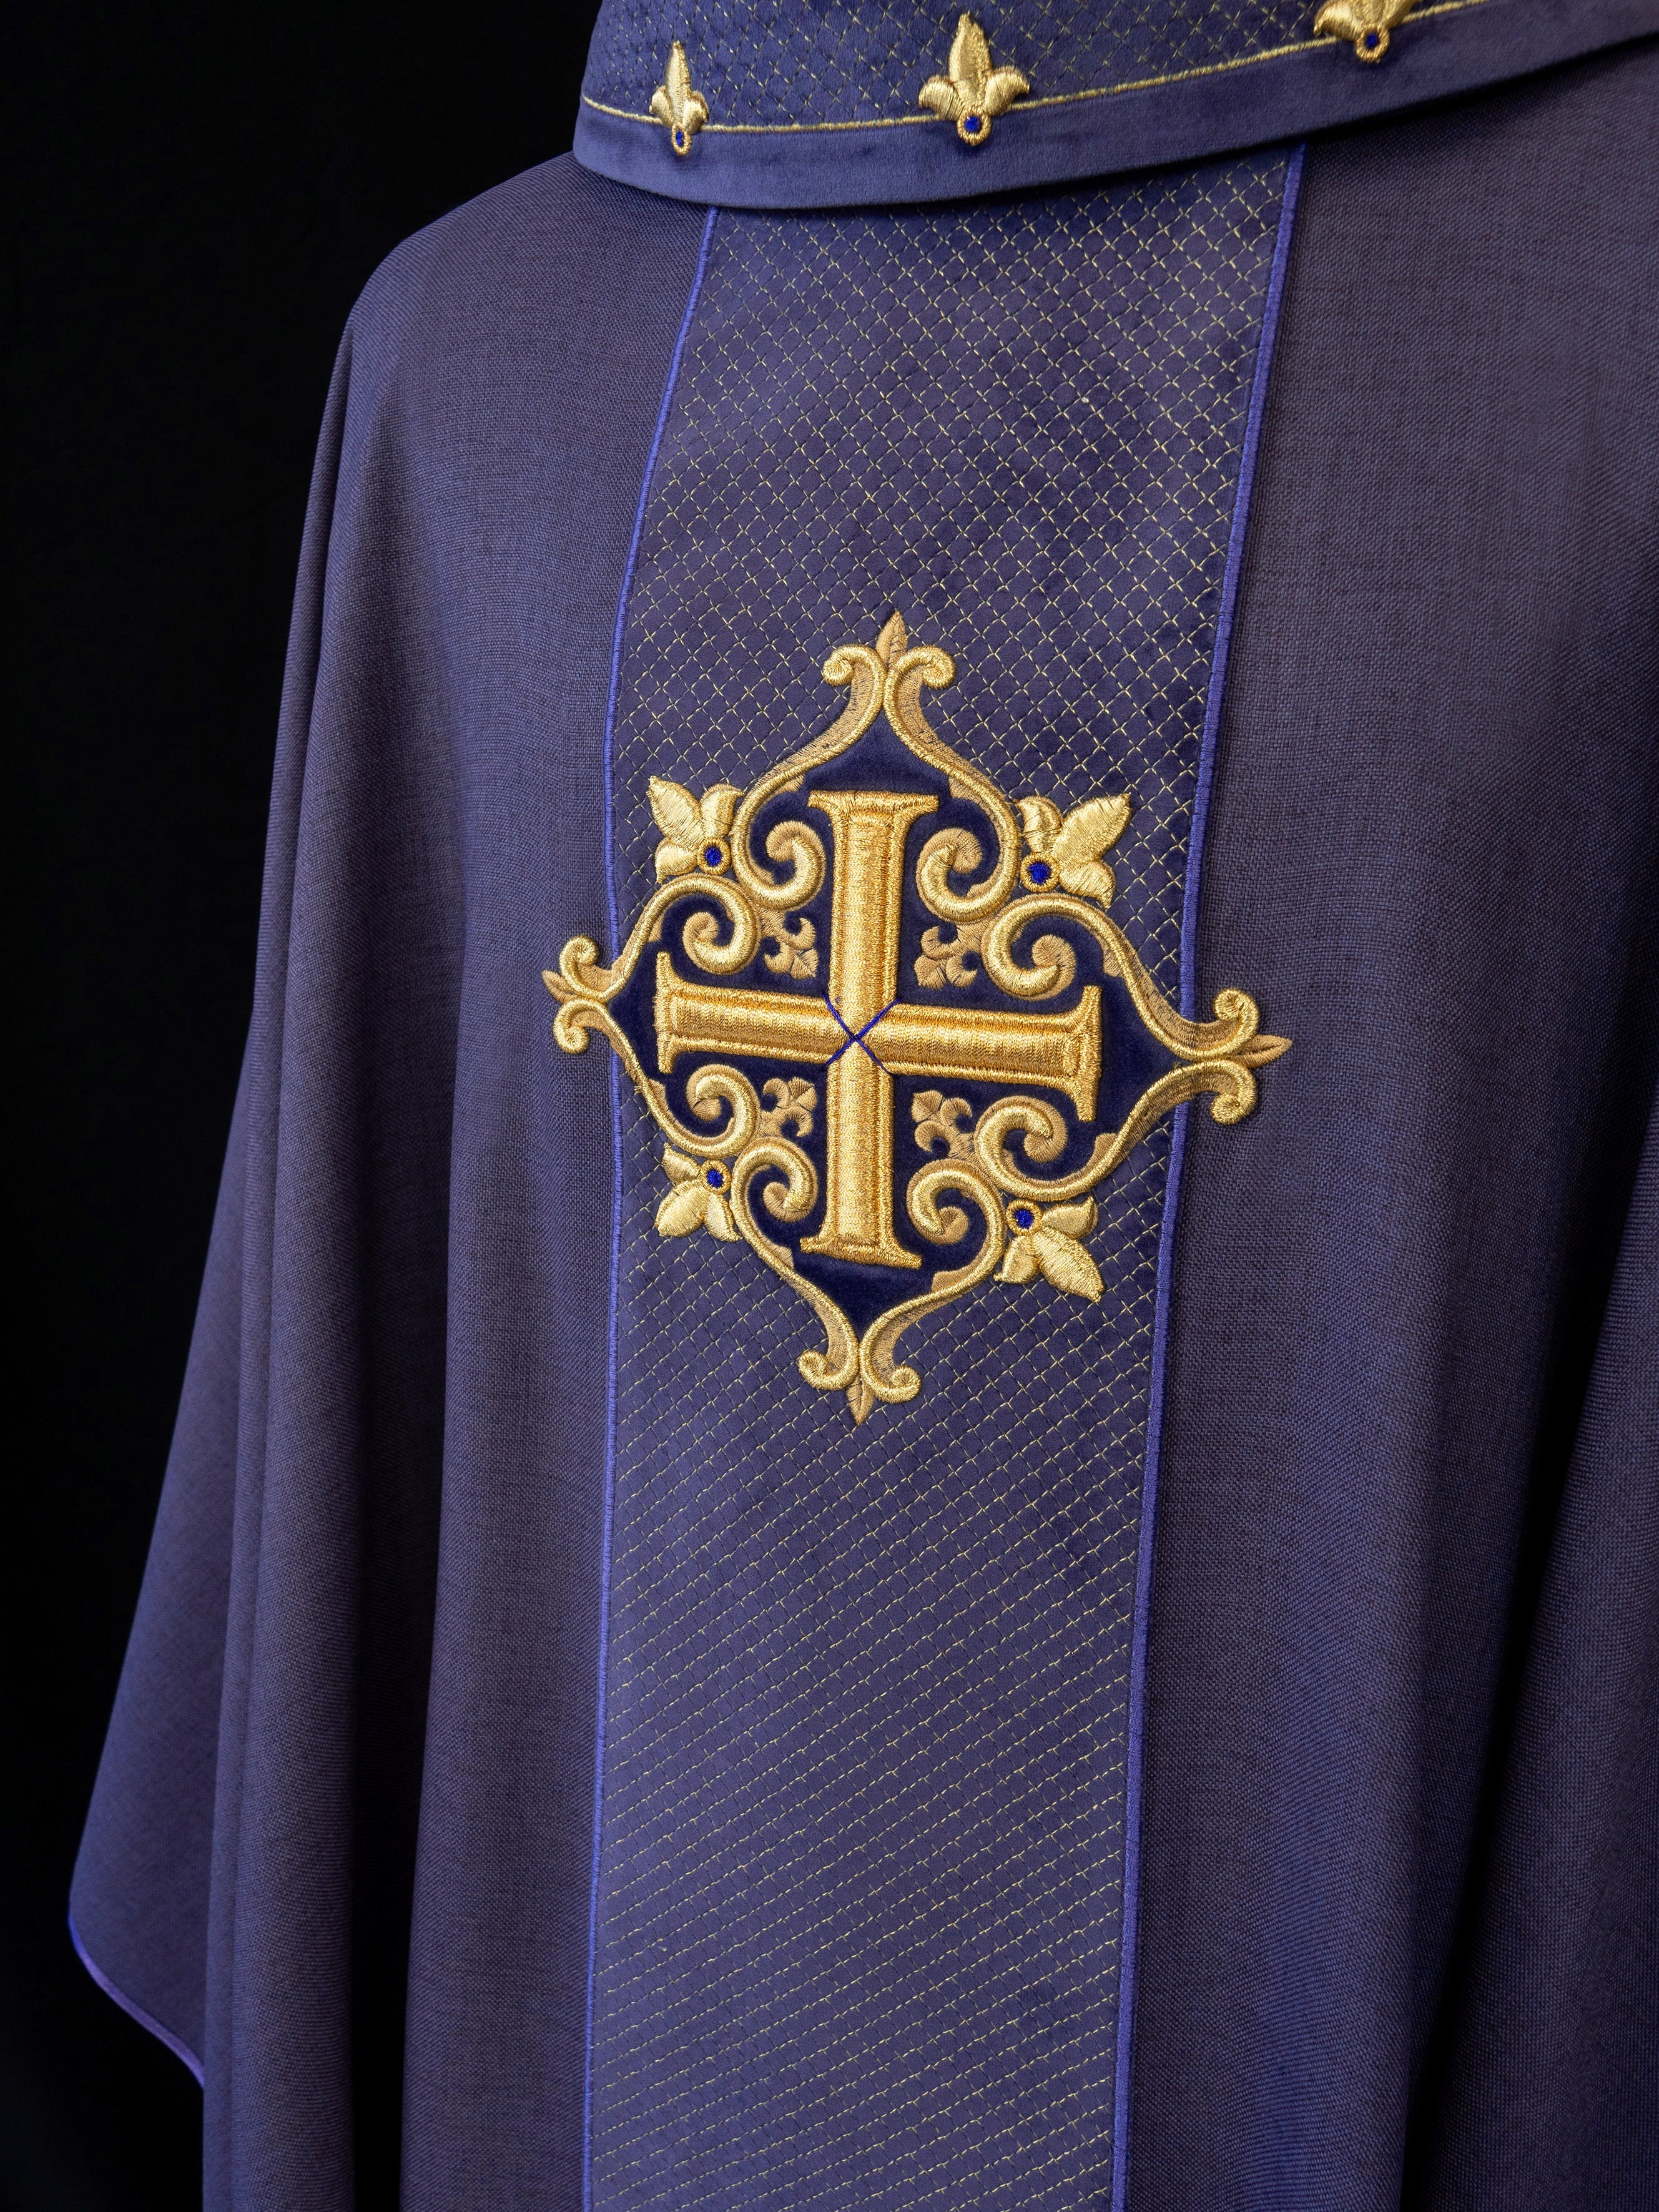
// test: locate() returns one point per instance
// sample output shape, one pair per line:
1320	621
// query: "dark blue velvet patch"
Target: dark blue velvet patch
1130	1059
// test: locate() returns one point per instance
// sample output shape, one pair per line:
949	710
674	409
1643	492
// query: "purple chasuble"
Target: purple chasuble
978	1525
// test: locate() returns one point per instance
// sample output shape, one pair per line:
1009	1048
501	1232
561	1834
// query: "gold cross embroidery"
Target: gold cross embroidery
864	1034
865	1037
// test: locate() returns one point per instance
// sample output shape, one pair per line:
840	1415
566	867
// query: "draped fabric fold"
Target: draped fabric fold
248	1879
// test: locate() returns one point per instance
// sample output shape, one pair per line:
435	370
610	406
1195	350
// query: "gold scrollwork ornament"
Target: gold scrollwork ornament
982	1186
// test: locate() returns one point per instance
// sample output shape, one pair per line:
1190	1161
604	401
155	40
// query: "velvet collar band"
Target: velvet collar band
782	104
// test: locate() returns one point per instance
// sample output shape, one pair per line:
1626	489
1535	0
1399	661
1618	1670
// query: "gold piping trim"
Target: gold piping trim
1050	100
876	123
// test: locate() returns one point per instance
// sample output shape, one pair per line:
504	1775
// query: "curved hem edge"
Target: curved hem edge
175	2044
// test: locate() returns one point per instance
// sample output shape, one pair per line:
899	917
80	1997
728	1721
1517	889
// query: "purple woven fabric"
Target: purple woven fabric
1400	1937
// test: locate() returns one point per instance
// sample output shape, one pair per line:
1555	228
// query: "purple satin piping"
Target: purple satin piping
1223	627
1264	355
632	562
622	598
179	2049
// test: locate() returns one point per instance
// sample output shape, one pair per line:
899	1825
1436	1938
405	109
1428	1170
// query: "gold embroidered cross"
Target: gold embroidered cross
865	1036
1017	1164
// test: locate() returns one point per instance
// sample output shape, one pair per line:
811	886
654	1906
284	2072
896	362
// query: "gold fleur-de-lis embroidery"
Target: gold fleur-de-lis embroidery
950	960
942	1120
699	1198
971	93
1047	1242
1367	23
676	104
795	955
695	831
792	1100
1069	849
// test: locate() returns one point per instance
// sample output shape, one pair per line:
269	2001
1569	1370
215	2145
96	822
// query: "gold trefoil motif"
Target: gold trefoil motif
971	93
853	1031
677	104
1369	23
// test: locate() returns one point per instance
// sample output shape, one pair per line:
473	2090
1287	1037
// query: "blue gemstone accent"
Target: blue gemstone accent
974	126
1022	1217
1039	872
713	854
1370	38
715	1178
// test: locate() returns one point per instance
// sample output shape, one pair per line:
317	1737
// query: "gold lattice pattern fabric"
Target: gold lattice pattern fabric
859	1907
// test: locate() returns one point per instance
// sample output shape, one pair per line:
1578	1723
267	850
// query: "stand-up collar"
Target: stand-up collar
787	104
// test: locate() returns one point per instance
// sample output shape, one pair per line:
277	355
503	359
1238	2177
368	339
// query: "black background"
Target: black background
195	194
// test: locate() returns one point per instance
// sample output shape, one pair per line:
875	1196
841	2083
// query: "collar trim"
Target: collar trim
1444	48
1032	100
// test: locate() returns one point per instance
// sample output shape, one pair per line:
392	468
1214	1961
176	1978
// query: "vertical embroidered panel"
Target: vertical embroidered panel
862	1850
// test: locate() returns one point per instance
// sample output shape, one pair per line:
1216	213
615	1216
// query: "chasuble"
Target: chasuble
920	1468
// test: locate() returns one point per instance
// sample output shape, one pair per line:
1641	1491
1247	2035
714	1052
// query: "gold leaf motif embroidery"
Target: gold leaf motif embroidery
794	956
942	1121
1369	23
1020	1174
971	93
1069	849
676	104
694	830
698	1199
1046	1243
942	961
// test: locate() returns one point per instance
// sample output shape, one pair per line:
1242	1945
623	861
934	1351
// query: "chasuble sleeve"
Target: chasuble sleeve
140	1902
268	1728
247	1883
316	1365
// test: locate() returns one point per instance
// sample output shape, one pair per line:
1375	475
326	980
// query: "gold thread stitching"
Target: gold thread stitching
985	1463
864	1035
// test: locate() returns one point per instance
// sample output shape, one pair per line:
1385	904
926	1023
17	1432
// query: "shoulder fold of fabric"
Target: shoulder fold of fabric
751	103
